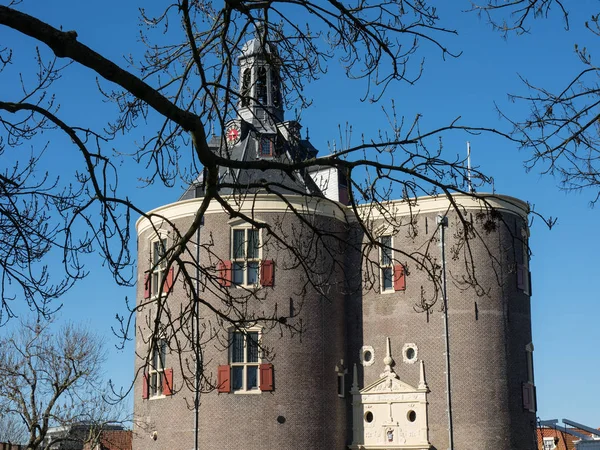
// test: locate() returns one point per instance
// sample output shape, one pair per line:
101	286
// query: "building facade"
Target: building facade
404	335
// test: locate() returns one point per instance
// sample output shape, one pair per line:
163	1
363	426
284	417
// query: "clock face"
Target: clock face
233	134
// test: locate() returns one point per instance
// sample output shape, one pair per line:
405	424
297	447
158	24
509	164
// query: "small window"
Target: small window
245	256
245	361
266	147
367	355
157	367
261	86
159	263
275	88
385	264
410	353
550	443
246	80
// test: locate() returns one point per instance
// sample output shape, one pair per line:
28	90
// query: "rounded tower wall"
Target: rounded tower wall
304	346
489	321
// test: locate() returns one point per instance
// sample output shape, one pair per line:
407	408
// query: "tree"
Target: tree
561	134
12	430
50	378
184	89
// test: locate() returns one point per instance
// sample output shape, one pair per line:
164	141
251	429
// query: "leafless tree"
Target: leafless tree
562	132
51	378
12	429
185	89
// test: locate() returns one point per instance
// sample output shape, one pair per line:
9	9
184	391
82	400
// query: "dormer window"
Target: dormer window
267	147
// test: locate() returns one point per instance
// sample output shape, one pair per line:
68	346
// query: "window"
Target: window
275	88
550	443
246	268
245	256
261	86
158	265
385	263
266	147
245	372
392	276
157	367
246	79
158	380
244	361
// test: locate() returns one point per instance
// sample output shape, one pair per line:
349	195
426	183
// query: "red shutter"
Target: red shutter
146	386
223	379
168	284
266	377
167	385
147	286
399	278
267	272
224	273
521	277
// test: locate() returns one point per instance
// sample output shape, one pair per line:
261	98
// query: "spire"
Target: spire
260	82
422	382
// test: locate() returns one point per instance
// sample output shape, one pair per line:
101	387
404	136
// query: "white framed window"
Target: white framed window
244	359
157	368
158	263
549	443
245	256
386	267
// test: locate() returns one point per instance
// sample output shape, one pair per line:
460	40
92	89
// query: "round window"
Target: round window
410	353
411	416
367	355
368	417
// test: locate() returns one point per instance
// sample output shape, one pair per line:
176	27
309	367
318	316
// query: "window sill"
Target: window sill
387	291
157	397
252	392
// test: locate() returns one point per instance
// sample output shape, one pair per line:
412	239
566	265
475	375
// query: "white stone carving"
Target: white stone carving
397	412
406	351
368	360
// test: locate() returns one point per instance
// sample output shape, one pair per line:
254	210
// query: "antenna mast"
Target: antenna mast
469	167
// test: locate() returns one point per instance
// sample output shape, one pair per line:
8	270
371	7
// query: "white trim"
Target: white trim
245	364
245	260
265	203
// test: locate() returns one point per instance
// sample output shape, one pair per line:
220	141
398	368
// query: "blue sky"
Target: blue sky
565	307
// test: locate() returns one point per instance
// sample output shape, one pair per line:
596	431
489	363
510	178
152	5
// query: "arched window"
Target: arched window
275	88
261	86
246	80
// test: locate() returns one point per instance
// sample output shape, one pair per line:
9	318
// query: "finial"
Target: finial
354	388
422	383
388	360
